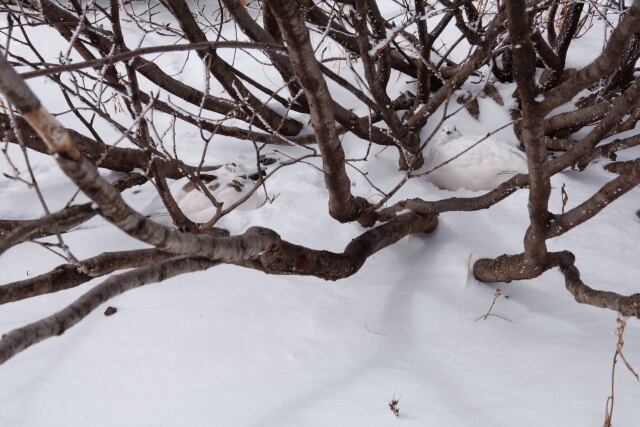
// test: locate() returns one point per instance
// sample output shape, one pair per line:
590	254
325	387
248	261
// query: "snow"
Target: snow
235	347
488	162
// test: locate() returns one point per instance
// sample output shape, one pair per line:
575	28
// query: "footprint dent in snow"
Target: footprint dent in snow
483	167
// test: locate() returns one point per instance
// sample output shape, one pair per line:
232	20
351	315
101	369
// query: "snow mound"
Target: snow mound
483	167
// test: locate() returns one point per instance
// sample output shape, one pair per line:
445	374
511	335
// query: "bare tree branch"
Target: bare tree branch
67	276
343	206
19	339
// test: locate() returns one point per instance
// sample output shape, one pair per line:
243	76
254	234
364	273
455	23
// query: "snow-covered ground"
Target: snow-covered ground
235	347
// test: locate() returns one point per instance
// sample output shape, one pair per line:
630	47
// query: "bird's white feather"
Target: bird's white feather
483	167
230	185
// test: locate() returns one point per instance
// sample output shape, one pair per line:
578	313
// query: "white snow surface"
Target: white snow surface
471	161
235	347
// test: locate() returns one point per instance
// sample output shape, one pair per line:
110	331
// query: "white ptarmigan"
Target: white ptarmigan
483	167
229	185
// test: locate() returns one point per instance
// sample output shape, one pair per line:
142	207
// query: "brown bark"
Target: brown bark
255	32
594	204
67	276
287	258
506	268
452	204
63	20
608	150
349	40
625	305
379	31
532	135
109	157
545	52
19	339
480	57
223	72
566	123
262	248
621	106
603	65
343	206
359	126
407	140
112	207
18	231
